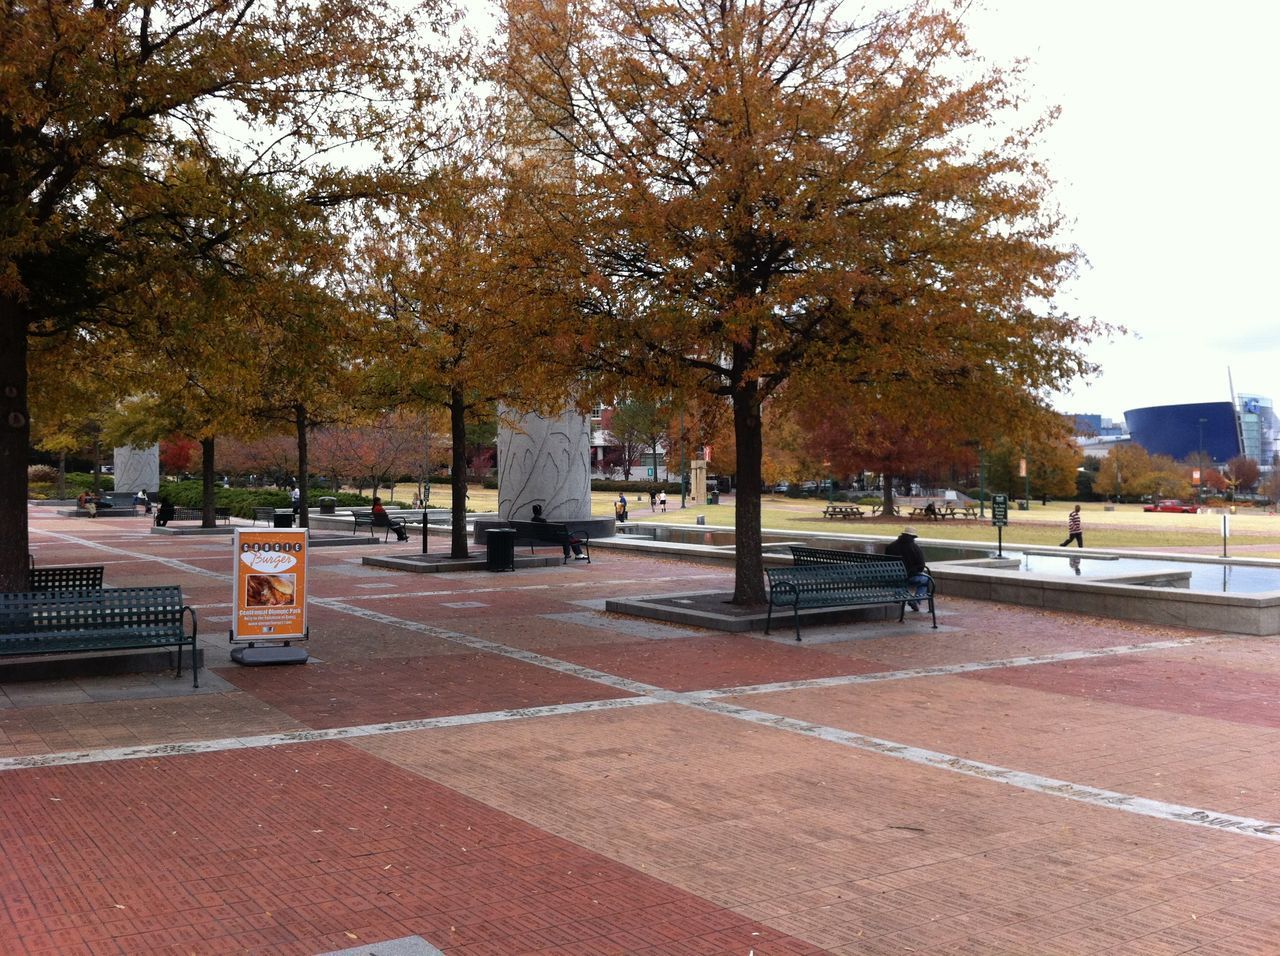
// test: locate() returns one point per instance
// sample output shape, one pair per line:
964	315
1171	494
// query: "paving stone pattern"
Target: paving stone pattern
501	769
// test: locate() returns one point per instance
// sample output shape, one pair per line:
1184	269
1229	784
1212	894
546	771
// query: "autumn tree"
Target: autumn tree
450	328
93	94
762	190
1242	473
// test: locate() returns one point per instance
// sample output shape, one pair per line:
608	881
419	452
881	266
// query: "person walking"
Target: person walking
1074	530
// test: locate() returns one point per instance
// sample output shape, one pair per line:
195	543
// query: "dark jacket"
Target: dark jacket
905	547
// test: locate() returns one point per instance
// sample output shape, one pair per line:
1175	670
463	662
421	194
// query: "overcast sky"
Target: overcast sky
1165	160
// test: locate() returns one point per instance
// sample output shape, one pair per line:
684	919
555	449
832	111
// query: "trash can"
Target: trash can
328	506
1022	505
713	498
702	519
283	519
500	549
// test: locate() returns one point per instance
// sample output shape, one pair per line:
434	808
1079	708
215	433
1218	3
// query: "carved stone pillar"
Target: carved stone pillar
545	461
137	469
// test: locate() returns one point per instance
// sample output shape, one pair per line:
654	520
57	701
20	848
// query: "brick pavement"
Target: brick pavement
498	767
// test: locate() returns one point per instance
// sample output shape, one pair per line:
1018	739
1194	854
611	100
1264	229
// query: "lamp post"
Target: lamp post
1200	460
682	504
982	482
831	484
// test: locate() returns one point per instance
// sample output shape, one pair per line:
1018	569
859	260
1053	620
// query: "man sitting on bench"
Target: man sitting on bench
571	542
906	549
383	520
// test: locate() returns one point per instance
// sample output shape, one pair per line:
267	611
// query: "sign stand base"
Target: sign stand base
270	654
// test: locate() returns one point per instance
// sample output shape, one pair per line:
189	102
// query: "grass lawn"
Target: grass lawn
1253	532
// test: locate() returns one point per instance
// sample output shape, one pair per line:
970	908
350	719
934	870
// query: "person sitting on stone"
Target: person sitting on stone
165	513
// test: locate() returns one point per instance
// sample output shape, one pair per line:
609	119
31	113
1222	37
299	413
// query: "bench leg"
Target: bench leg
932	613
795	611
768	618
902	612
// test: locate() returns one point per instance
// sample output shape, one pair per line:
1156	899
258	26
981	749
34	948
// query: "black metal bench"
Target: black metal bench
84	577
805	556
535	533
88	621
195	514
842	585
365	520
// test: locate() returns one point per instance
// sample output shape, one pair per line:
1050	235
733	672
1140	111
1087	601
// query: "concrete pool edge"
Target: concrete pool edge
1116	596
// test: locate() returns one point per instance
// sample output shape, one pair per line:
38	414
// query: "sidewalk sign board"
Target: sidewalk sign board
269	597
999	518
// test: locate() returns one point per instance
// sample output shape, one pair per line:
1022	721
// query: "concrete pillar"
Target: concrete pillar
137	469
698	481
545	461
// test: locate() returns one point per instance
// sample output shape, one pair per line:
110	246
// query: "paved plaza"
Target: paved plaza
477	763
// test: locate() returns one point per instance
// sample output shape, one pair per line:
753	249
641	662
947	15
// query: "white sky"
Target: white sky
1165	159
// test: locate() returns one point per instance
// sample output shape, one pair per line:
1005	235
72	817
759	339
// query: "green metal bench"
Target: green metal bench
65	578
842	585
803	556
88	621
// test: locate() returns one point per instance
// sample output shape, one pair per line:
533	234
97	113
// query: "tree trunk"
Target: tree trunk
886	481
748	582
15	439
208	493
458	432
62	475
304	482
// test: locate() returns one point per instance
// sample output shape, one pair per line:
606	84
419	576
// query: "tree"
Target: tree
451	331
94	94
1242	473
761	191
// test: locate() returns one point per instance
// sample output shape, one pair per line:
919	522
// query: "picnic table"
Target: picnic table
877	508
842	511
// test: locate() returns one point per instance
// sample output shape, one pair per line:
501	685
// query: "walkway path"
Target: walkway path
490	764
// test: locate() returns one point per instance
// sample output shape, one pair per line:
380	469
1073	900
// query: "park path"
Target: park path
489	764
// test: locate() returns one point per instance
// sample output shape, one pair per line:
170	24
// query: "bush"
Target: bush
242	501
41	474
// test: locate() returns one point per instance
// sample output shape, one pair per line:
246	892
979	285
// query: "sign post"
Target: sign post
999	518
269	597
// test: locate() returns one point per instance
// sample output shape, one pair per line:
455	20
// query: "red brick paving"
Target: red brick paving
1230	693
659	829
387	689
310	848
713	661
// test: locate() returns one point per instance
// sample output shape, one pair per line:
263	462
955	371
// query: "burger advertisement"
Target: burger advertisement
270	598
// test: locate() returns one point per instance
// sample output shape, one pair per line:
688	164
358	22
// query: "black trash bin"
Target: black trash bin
283	519
713	498
328	506
500	549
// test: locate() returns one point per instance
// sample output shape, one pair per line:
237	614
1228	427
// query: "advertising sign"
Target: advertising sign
270	598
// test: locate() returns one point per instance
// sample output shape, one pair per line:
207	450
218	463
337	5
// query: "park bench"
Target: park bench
842	511
841	585
803	556
196	514
96	620
364	519
65	578
268	515
535	533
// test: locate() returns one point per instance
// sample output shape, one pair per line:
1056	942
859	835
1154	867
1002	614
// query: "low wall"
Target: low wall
1116	597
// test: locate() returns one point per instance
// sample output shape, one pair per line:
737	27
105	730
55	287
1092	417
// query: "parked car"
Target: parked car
1172	505
809	486
782	487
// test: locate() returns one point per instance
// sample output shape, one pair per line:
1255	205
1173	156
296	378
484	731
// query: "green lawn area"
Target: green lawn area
1125	527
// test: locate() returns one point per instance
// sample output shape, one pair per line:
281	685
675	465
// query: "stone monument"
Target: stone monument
698	481
545	461
137	469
